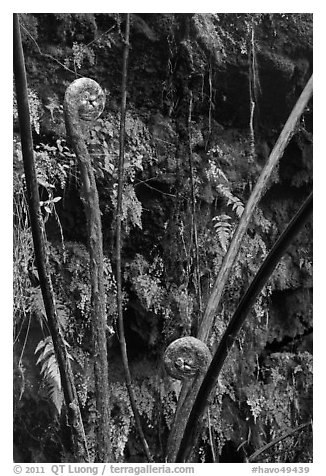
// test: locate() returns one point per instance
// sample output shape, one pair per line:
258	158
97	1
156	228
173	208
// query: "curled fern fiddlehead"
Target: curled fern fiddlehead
85	99
186	357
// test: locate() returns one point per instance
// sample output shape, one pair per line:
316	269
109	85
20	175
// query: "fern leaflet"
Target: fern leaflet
223	229
50	371
232	200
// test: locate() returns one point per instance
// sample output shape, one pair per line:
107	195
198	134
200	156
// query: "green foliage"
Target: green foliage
263	224
223	230
35	109
131	207
235	203
49	175
50	372
75	26
105	144
52	169
137	148
209	34
214	173
145	401
122	419
219	178
23	255
81	53
52	163
169	404
146	281
70	268
260	397
29	28
261	393
281	401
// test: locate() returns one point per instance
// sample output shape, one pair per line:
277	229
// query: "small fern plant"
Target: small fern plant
50	371
215	174
233	201
223	229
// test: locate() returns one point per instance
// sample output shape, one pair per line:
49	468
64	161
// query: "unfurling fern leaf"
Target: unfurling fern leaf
50	371
223	229
232	200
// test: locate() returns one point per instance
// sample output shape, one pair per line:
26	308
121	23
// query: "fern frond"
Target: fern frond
50	371
232	200
45	354
238	208
40	345
223	230
131	206
215	173
37	306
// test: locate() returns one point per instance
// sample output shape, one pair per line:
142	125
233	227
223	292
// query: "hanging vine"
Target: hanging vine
122	338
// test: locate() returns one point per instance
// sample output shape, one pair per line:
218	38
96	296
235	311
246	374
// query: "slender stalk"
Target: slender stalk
252	91
264	448
210	99
122	337
45	55
80	449
193	209
193	426
211	437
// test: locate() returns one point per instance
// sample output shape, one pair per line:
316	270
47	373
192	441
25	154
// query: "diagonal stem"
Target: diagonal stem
277	440
193	425
256	195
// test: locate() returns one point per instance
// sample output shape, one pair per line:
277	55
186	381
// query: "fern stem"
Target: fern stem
277	440
211	439
252	91
210	100
41	253
122	338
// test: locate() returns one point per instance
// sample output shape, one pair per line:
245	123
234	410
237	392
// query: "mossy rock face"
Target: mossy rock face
185	357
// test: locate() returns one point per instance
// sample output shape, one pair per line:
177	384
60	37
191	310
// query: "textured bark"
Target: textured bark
77	123
188	394
79	447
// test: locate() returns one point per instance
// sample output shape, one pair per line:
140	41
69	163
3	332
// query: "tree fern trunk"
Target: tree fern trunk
75	100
